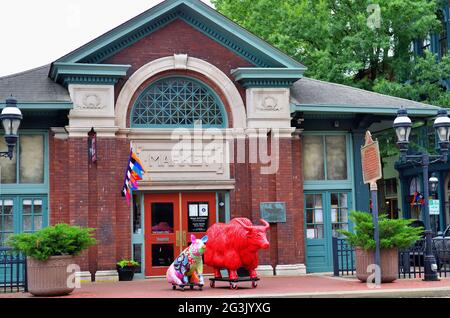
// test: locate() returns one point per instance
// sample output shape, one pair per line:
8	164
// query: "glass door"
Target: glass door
162	237
326	212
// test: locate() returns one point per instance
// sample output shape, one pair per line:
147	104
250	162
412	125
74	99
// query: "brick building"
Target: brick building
283	142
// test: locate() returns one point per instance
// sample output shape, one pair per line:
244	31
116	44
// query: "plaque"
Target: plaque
273	212
370	158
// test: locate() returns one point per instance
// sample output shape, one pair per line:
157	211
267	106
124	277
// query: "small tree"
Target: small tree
393	233
60	239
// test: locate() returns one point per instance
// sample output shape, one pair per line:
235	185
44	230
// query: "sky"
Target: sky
37	32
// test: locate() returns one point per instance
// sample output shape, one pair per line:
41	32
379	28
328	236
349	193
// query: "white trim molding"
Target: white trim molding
177	62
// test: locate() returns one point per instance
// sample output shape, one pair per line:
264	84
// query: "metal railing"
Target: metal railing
410	260
13	271
343	258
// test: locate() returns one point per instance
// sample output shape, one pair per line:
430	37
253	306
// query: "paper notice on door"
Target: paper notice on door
311	233
319	217
203	209
193	210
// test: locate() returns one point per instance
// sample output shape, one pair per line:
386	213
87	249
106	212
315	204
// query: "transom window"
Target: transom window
178	102
325	157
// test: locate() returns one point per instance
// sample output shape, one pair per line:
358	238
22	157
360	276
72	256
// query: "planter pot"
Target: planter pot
389	264
126	273
49	278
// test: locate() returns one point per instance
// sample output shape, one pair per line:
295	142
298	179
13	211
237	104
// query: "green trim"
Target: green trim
195	13
138	238
42	105
267	77
79	73
362	109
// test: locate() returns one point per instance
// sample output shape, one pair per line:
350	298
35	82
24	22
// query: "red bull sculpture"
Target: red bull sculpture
235	245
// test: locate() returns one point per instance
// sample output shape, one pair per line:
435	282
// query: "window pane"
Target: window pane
137	256
27	225
336	157
7	167
26	207
32	159
37	207
162	254
162	218
37	222
313	158
310	201
137	223
318	202
344	201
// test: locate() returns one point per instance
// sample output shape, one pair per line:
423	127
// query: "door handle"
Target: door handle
177	235
184	238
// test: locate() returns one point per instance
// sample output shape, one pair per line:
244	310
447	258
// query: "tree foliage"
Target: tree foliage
341	41
60	239
392	233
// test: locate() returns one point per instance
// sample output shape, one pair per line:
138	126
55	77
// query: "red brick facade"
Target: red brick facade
89	194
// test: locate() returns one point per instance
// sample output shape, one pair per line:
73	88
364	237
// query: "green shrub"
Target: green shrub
125	262
60	239
393	233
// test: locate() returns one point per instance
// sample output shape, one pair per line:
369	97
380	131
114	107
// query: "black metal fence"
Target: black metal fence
13	271
343	258
411	260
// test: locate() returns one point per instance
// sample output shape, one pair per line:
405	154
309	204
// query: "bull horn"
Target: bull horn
247	227
266	224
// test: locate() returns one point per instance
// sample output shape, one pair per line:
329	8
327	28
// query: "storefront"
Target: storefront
223	123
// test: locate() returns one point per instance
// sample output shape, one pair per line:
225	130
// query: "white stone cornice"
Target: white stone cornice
78	132
60	133
102	132
228	133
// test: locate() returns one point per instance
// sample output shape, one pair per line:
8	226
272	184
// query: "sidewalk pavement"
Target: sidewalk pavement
309	286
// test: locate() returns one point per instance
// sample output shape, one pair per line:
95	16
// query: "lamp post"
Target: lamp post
402	126
10	117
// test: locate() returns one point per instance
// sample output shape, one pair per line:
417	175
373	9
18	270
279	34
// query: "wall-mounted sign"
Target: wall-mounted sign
273	212
434	207
198	216
370	158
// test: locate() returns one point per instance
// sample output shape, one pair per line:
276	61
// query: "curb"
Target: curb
391	293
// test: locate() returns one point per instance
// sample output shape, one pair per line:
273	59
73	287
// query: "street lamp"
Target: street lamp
10	117
402	126
433	183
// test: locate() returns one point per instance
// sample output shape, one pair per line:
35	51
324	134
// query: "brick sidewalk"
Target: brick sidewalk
304	286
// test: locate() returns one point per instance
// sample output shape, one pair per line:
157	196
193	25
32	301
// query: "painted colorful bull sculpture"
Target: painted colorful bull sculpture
235	245
188	267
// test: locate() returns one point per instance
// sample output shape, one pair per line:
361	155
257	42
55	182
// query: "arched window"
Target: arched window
178	102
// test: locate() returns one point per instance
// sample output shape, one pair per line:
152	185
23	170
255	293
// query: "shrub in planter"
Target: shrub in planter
126	269
50	251
394	234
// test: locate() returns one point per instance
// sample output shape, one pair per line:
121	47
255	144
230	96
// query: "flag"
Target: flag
134	173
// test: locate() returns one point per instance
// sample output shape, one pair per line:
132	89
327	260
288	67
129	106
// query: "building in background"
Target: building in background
179	63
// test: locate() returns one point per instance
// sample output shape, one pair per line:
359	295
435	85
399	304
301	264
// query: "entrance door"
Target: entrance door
325	213
170	219
162	237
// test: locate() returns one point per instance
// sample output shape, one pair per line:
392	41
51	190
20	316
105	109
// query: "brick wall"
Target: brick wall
89	195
